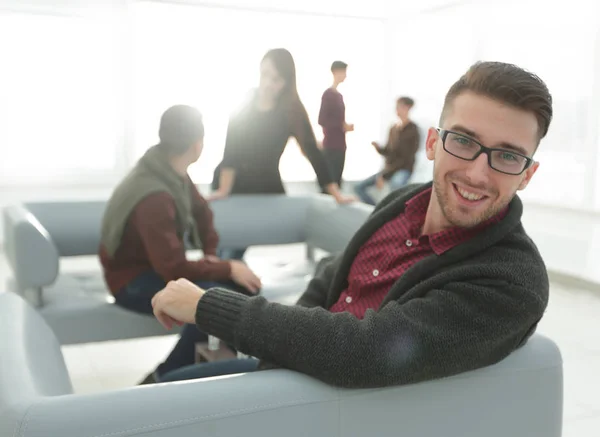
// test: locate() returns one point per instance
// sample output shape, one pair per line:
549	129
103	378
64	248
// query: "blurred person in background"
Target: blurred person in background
152	217
258	134
332	118
399	154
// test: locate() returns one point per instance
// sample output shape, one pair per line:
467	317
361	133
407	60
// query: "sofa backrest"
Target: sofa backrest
330	227
244	221
241	221
37	235
73	226
257	220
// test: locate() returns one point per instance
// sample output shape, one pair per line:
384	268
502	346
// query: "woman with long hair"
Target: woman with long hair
258	133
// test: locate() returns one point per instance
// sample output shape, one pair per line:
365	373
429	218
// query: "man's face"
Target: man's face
402	110
339	75
470	192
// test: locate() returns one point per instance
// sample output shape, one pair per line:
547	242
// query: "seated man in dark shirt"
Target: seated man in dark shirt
154	213
440	280
399	153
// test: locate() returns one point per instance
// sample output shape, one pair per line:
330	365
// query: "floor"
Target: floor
572	320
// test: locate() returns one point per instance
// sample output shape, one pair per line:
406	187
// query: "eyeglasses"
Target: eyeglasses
502	160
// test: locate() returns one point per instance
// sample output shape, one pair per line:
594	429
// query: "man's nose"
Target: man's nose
478	170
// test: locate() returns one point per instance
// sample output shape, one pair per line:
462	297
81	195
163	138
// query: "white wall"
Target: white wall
81	103
425	46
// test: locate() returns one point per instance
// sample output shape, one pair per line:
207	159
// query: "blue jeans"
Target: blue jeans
137	296
215	368
398	180
336	160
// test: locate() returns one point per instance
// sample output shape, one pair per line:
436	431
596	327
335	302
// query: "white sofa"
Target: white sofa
519	397
39	236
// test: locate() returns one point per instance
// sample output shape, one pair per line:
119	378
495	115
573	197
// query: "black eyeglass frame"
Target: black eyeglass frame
483	149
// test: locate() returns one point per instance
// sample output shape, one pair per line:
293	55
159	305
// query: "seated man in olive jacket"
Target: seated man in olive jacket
153	214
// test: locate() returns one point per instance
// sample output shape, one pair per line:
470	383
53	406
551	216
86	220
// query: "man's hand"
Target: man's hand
380	182
217	195
376	145
348	127
176	303
242	275
212	258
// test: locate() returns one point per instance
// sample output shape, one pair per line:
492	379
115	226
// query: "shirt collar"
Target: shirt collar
442	241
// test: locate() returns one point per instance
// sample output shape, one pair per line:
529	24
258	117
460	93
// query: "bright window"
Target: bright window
426	70
209	58
58	96
559	48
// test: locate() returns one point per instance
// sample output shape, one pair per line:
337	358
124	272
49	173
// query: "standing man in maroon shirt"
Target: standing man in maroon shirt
154	213
332	118
441	279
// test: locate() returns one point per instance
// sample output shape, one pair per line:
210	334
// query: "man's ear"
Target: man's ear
528	175
430	144
200	145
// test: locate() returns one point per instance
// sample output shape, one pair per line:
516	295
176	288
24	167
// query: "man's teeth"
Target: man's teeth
469	196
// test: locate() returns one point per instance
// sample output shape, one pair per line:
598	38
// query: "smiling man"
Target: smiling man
441	279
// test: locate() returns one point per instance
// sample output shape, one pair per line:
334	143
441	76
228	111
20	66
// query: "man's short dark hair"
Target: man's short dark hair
181	126
405	101
508	84
338	65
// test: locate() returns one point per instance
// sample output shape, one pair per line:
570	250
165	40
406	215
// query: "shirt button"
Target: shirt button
348	299
408	243
375	272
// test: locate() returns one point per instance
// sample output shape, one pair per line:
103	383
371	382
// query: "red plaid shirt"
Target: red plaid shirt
392	250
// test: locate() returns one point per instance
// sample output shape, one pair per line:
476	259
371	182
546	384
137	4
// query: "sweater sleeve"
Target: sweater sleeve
385	149
308	143
458	328
155	219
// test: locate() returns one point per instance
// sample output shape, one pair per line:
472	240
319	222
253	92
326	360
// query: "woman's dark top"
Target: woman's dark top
254	145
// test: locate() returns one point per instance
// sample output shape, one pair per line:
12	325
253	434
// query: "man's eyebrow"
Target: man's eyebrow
474	135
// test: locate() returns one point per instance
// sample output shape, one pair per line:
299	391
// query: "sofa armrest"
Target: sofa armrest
31	365
29	249
269	403
521	397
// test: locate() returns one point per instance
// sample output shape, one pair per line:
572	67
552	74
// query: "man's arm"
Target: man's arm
461	327
385	149
155	220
